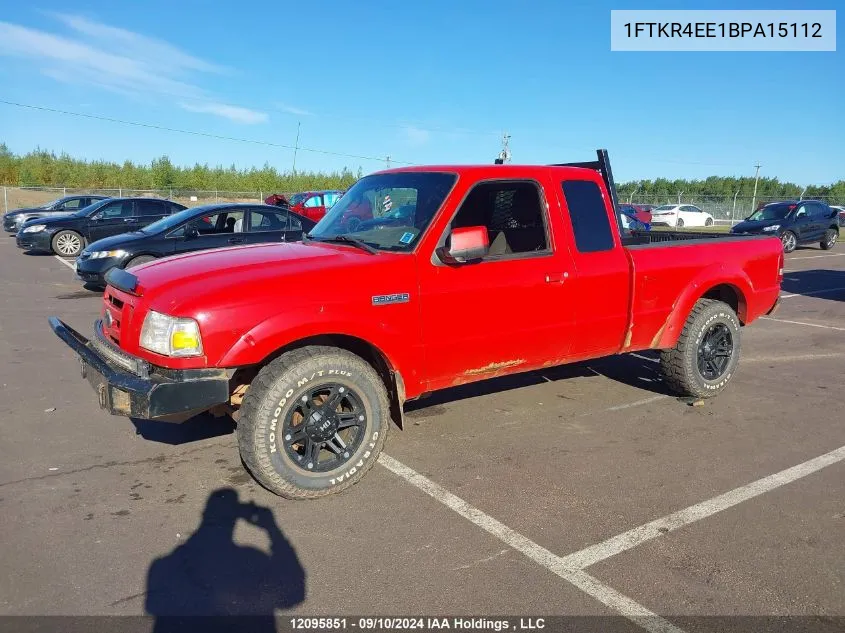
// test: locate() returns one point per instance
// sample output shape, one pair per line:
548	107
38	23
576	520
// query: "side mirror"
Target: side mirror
464	245
191	232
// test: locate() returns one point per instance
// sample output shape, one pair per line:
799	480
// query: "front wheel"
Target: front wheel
789	241
707	352
708	222
137	261
680	223
67	243
829	239
313	422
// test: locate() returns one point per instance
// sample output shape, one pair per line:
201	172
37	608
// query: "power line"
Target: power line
196	133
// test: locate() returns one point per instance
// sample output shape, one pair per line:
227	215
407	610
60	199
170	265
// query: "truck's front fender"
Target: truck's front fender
707	280
282	330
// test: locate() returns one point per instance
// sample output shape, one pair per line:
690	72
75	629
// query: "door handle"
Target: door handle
128	219
556	278
236	240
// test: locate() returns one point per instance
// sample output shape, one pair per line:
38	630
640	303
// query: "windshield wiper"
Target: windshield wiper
345	239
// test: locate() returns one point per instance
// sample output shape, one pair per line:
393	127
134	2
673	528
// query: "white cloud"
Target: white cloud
293	110
415	135
139	66
233	113
135	44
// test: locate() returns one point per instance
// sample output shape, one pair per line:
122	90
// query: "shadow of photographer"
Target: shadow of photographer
229	586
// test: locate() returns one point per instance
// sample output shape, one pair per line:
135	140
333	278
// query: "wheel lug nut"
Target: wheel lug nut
310	465
361	418
305	398
287	437
346	455
341	390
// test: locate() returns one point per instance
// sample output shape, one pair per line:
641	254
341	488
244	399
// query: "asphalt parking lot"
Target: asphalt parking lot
585	490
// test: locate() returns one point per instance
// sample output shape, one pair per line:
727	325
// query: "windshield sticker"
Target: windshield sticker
406	238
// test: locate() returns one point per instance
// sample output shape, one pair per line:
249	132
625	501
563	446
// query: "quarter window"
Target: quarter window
513	214
588	215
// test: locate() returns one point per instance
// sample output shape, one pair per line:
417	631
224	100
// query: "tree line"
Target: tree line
45	168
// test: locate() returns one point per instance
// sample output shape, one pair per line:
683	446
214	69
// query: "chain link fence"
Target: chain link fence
726	210
17	197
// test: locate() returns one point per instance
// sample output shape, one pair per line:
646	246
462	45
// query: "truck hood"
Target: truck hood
193	283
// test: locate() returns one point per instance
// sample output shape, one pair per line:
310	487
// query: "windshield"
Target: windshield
362	211
297	198
170	221
772	212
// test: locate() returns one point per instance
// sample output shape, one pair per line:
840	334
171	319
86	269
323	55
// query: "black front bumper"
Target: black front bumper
35	241
94	270
127	385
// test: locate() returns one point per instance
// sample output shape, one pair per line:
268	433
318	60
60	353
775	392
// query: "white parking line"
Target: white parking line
792	259
812	292
66	263
789	359
654	529
540	555
827	327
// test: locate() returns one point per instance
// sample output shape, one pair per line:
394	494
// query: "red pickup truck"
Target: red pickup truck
476	272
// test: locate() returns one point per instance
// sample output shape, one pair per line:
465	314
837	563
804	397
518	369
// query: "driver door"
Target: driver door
112	219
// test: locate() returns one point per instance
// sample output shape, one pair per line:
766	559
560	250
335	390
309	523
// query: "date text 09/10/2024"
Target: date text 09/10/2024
417	623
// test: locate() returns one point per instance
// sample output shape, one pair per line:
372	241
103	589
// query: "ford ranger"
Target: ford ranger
315	346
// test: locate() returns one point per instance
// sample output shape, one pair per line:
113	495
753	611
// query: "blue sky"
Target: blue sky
423	82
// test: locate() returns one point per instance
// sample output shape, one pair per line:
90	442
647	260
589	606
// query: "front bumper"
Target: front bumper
35	241
94	270
130	386
10	225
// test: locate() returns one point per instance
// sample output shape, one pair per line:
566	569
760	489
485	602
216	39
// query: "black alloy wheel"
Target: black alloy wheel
325	428
715	351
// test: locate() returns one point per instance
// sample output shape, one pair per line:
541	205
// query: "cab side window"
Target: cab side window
314	201
513	214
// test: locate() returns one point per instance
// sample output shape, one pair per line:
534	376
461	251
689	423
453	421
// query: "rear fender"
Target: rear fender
707	280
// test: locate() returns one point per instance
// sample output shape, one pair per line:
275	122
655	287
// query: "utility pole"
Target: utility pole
754	197
387	162
505	154
296	146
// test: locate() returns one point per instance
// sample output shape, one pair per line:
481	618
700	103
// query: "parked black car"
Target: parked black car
67	235
211	226
13	220
796	222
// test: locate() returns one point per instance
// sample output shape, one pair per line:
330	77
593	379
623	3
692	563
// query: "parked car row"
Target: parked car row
126	232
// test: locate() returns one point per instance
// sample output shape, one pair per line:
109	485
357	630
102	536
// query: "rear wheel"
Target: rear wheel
708	222
706	355
67	243
137	261
680	223
789	241
829	239
313	422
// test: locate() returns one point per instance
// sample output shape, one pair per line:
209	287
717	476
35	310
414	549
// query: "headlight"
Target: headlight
773	227
35	228
171	336
102	254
